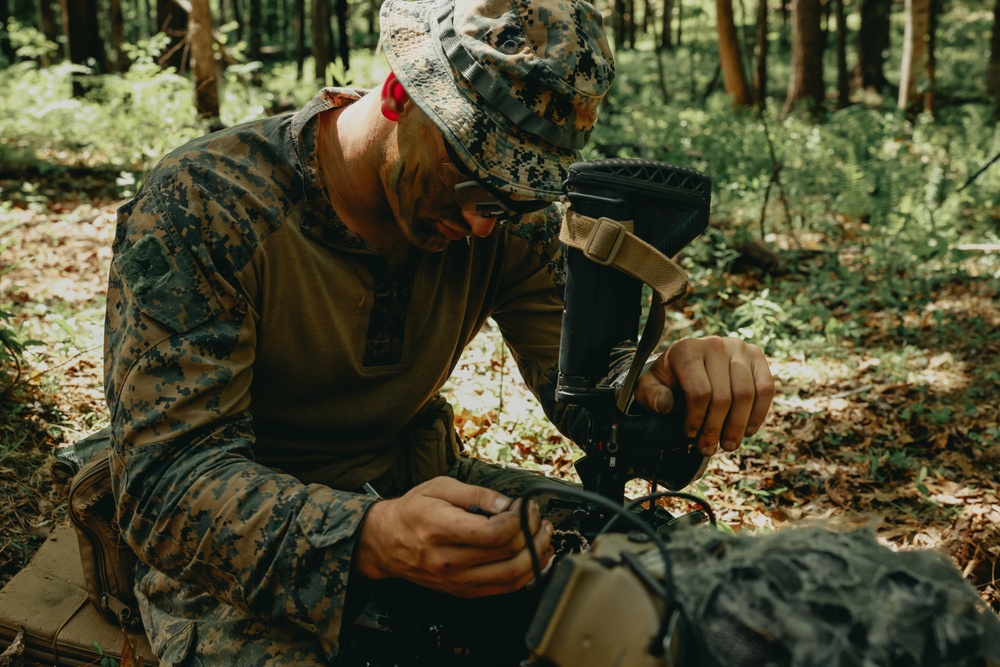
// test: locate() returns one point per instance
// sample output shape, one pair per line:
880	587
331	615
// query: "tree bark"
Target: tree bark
930	68
344	37
6	48
993	69
83	38
320	26
620	9
786	16
172	19
843	75
238	17
206	81
144	18
730	59
914	63
49	27
300	39
873	44
760	56
631	23
118	61
806	81
253	30
666	38
371	13
680	23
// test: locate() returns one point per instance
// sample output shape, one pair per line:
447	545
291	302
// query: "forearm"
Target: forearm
201	511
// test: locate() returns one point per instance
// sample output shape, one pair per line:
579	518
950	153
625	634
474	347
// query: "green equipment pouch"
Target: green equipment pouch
108	562
431	446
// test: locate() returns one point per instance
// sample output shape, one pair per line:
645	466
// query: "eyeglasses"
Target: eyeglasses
485	202
471	194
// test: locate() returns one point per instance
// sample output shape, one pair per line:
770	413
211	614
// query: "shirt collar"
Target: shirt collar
320	221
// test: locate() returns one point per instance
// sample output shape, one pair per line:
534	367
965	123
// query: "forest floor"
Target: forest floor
913	450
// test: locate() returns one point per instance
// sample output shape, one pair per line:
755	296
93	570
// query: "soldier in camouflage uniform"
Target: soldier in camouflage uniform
288	296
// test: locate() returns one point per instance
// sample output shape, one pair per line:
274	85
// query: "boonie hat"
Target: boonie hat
513	85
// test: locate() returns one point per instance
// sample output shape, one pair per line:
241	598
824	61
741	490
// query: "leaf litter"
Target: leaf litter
911	445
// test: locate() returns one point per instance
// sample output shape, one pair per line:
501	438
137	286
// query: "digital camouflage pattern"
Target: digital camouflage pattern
260	367
514	87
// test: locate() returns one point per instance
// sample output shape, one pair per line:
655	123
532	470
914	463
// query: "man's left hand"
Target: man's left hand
725	383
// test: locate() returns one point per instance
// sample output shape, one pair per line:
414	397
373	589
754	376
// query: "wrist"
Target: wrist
369	548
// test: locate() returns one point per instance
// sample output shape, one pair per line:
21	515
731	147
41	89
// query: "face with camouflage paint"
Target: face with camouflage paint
425	205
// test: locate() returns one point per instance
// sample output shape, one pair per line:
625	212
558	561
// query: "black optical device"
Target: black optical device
669	206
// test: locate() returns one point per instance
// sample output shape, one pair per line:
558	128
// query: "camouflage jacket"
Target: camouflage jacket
261	361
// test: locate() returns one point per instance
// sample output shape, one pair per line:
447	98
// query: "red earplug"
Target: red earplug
398	95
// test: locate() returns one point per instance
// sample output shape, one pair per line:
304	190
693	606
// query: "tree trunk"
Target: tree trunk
993	70
300	39
786	15
344	37
371	13
238	17
50	28
144	18
620	28
806	80
873	44
6	48
666	38
118	61
320	26
930	69
914	63
680	23
630	22
253	30
287	29
172	19
206	82
83	38
730	59
760	55
843	75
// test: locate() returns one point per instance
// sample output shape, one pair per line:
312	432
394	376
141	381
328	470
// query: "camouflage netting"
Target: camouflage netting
811	597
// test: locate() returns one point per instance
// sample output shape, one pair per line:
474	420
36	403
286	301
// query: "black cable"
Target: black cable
656	647
653	497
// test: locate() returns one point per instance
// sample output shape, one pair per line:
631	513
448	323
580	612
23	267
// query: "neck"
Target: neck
350	157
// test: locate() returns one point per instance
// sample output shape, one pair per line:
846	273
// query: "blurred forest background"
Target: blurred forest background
855	234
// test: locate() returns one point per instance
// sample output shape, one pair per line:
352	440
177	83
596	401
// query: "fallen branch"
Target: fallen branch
854	392
981	247
15	652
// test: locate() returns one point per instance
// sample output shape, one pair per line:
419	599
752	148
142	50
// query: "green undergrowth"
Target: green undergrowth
881	287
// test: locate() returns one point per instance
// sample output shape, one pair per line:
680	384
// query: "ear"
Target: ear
394	98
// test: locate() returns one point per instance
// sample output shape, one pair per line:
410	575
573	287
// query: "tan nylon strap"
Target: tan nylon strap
613	243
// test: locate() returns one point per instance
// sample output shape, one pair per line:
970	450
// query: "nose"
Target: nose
481	227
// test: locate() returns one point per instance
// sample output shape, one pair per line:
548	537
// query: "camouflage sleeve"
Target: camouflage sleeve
529	314
192	502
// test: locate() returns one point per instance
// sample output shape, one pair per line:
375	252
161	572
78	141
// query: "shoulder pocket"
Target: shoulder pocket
165	282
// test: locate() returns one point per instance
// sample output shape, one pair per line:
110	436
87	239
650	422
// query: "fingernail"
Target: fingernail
548	528
501	505
750	430
709	450
730	446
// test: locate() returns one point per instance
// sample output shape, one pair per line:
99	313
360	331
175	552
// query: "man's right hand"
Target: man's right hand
430	537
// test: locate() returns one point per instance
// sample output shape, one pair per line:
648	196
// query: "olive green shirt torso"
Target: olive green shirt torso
255	346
